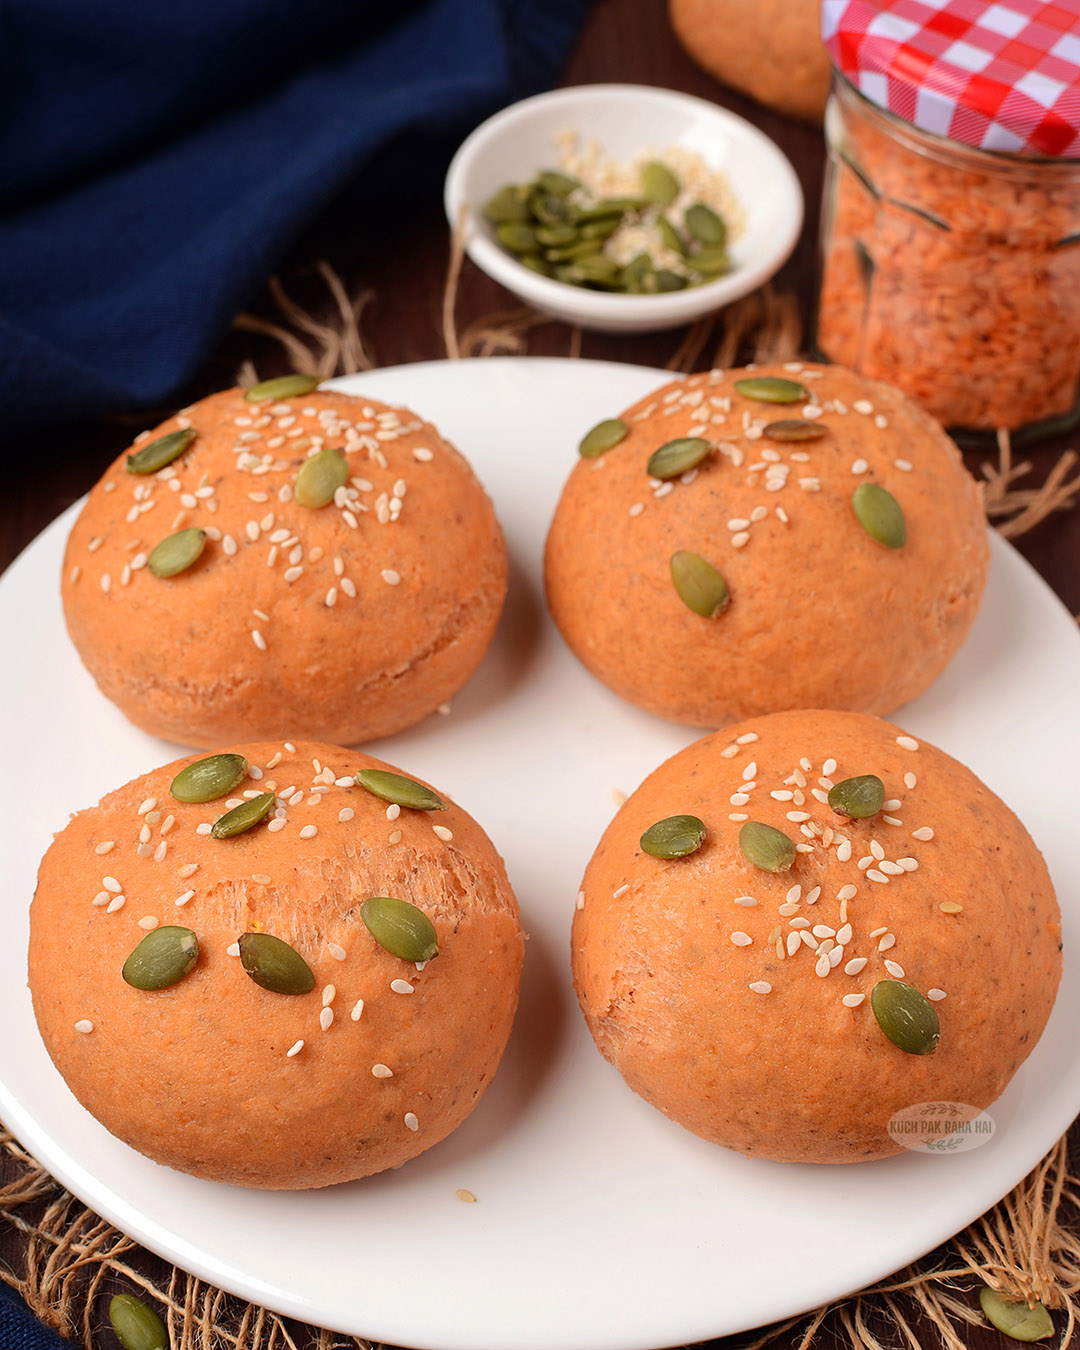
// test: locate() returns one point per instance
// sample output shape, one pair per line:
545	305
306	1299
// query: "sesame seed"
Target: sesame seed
804	848
390	576
740	540
161	850
411	1121
443	833
393	811
258	639
892	820
843	851
742	939
346	813
847	892
910	780
891	869
746	900
381	1071
789	907
794	894
621	891
462	1194
106	846
793	942
797	817
843	935
183	899
738	799
812	411
881	421
860	466
148	922
822	966
102	898
935	995
895	969
111	884
811	896
394	837
86	1026
188	869
950	907
294	1049
875	875
907	743
401	987
309	832
278	823
423	455
782	795
336	951
853	1000
326	1018
864	406
855	965
886	942
924	833
908	864
904	465
876	850
761	987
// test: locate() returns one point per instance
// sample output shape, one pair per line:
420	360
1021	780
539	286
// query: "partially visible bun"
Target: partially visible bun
343	623
769	49
199	1075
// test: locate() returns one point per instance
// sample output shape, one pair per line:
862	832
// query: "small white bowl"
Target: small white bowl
626	119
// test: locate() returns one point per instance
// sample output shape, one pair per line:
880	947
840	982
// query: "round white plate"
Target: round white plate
599	1224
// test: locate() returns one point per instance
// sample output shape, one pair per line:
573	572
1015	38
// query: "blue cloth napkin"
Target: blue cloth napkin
157	160
20	1329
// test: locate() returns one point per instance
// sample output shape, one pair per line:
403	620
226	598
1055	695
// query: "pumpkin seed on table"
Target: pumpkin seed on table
771	389
906	1016
396	788
767	848
243	817
880	514
274	965
705	225
658	183
136	1324
676	457
400	928
282	386
603	437
160	453
162	958
208	779
320	476
176	553
698	584
1015	1320
674	837
793	429
858	798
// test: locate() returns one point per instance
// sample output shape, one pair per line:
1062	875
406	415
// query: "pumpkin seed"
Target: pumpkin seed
208	779
283	386
243	817
793	429
663	281
906	1016
612	206
516	236
320	477
711	261
858	798
595	269
705	225
162	958
880	514
670	236
400	928
603	437
551	209
395	787
600	229
658	183
584	248
765	847
635	271
698	584
137	1326
509	203
771	389
674	837
556	236
675	457
161	452
274	965
176	552
535	263
561	184
1016	1320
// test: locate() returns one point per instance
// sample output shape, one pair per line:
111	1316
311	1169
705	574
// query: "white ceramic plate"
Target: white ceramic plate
626	120
599	1224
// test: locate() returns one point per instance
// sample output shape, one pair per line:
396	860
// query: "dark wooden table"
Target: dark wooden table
405	269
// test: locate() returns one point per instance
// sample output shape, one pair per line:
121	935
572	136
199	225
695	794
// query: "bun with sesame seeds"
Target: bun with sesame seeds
344	606
837	547
327	1059
743	1001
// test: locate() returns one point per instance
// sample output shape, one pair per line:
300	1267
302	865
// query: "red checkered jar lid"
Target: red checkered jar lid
1002	76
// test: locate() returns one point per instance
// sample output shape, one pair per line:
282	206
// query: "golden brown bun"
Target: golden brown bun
197	1076
821	615
792	1073
769	49
341	654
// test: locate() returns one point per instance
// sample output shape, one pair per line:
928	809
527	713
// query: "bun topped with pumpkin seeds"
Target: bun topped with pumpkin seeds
854	925
284	561
745	541
317	992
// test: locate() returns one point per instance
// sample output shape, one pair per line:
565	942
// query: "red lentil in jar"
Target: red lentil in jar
951	228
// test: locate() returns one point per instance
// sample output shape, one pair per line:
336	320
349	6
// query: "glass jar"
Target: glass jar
951	272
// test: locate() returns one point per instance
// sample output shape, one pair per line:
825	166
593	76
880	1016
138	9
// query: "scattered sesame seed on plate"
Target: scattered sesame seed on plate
443	833
381	1071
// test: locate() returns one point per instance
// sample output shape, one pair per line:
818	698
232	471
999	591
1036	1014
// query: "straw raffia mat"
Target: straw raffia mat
1028	1246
